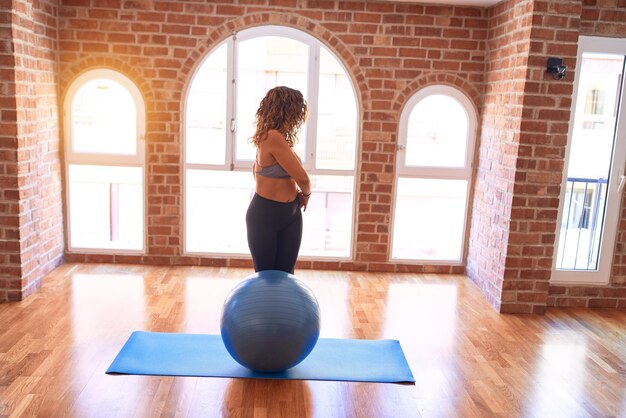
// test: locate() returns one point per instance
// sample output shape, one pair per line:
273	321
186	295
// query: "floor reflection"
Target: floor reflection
331	291
204	298
102	303
106	307
267	398
559	376
423	317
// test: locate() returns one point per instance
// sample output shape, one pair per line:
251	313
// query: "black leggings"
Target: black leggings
274	233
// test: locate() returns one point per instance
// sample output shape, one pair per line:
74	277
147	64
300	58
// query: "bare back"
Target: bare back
274	149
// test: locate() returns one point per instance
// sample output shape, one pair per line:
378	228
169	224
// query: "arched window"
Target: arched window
222	100
104	163
436	143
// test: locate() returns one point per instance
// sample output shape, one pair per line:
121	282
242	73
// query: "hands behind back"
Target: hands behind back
304	200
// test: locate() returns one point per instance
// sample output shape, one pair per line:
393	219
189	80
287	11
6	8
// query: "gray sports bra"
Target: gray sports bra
273	171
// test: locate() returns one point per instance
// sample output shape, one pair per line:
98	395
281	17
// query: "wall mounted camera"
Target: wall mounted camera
556	68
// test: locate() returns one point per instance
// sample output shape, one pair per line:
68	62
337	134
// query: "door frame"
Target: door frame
601	276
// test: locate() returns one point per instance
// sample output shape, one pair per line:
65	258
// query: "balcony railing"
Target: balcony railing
581	225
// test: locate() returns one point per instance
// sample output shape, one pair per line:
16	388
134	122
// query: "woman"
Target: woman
283	186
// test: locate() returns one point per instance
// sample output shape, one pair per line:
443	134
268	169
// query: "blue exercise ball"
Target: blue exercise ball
270	321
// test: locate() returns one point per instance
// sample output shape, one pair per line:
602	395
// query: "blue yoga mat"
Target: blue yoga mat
169	354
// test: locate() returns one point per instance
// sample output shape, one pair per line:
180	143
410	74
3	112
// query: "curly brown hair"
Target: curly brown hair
283	109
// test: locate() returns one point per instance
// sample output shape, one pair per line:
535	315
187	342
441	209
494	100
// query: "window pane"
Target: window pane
437	133
216	205
106	207
589	162
428	220
336	116
328	217
104	119
206	112
263	63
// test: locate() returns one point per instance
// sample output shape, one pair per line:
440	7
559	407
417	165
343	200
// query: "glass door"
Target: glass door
594	181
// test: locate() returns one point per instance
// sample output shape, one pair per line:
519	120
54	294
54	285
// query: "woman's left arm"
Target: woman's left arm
287	159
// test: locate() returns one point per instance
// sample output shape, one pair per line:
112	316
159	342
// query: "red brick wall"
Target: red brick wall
33	231
505	76
496	56
9	199
601	18
390	51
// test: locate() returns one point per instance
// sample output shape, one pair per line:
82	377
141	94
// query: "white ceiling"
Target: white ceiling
480	3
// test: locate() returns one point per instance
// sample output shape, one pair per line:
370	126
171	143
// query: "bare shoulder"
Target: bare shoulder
274	135
275	139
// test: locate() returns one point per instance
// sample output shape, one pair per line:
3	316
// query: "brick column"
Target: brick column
506	64
9	196
31	221
524	134
540	159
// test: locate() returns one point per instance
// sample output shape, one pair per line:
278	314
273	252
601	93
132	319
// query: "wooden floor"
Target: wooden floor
467	359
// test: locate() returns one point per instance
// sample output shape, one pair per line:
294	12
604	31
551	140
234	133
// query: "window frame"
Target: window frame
231	163
72	157
435	172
